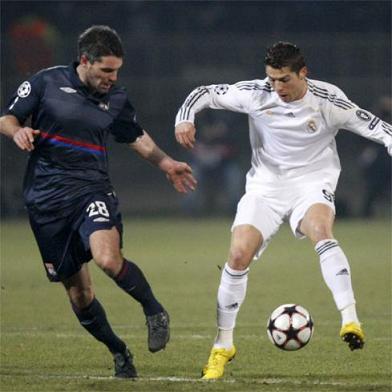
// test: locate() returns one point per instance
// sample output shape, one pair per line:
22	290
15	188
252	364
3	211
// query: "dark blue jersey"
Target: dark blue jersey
70	156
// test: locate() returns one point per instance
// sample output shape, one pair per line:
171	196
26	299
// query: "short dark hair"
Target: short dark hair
98	41
284	54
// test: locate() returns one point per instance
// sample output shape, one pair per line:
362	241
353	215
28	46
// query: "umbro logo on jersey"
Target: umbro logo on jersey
290	114
100	219
68	90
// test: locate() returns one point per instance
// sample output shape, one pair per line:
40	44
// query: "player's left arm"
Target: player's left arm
178	173
366	124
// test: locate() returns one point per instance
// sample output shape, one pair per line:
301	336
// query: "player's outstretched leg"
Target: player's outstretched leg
93	319
132	280
337	275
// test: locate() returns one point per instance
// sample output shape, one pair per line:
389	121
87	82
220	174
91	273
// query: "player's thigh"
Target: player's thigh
318	222
105	244
261	219
101	231
246	240
314	212
61	249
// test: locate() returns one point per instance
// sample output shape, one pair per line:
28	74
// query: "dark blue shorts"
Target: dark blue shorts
64	243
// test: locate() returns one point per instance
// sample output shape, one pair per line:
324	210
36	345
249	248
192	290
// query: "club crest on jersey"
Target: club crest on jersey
221	89
365	116
311	126
24	90
104	106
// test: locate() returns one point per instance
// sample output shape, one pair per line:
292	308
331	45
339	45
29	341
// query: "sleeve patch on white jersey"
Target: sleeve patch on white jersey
221	89
24	90
374	122
365	116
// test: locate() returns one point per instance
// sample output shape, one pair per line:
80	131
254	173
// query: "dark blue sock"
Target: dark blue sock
93	319
132	280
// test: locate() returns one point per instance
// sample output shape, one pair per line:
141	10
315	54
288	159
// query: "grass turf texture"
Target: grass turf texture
43	348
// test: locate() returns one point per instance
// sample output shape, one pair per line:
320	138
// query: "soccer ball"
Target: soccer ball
290	327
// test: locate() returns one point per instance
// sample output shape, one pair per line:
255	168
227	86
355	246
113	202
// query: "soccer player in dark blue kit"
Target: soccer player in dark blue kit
71	204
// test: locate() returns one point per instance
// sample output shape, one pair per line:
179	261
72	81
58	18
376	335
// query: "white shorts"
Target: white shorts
267	205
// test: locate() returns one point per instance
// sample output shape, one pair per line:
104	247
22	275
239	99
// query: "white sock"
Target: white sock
224	338
349	315
231	294
337	276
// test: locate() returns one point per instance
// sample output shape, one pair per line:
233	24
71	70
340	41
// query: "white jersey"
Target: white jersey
292	138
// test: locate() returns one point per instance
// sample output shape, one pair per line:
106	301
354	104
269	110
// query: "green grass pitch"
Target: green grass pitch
43	348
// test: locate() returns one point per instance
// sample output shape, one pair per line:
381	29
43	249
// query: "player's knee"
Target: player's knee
239	258
319	231
110	263
81	297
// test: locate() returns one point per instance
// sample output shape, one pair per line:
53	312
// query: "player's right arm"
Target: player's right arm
236	98
23	104
22	136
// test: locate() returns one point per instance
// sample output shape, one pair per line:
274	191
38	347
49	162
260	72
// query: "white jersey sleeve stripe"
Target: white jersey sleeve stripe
324	93
235	97
386	128
253	86
193	98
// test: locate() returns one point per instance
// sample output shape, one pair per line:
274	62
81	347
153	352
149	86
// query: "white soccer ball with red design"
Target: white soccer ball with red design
290	327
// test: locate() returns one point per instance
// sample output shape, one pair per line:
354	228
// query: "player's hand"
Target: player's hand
180	175
185	134
24	138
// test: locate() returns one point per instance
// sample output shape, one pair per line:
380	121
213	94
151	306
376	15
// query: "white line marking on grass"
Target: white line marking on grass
386	319
174	379
110	378
183	379
82	335
68	335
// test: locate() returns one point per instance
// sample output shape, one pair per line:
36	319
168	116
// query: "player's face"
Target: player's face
100	75
289	85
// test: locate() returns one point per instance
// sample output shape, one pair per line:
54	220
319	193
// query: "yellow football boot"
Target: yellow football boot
352	334
217	360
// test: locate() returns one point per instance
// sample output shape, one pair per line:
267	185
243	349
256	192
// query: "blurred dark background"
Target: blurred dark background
174	46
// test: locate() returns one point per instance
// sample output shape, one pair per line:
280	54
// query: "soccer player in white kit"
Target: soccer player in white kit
295	168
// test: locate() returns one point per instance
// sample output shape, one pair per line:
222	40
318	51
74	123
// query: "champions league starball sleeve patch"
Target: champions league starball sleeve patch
221	89
24	90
